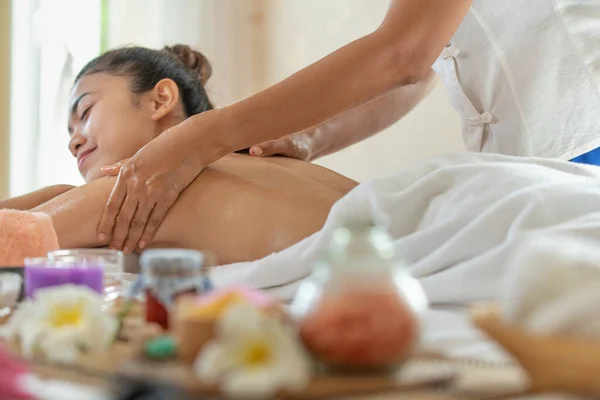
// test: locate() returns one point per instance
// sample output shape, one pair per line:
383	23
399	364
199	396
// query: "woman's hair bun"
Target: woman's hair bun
195	61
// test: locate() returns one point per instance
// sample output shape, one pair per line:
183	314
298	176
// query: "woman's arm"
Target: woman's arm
76	213
350	127
34	199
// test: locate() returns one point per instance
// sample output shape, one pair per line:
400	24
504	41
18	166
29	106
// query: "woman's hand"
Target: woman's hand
297	145
147	186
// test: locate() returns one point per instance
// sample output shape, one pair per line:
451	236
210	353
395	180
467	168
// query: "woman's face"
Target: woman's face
107	123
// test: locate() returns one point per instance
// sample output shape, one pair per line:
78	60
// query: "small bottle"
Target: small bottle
359	309
168	273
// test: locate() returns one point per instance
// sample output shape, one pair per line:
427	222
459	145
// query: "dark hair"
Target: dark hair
188	68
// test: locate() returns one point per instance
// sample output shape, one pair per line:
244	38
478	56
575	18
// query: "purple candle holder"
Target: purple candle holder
109	261
42	272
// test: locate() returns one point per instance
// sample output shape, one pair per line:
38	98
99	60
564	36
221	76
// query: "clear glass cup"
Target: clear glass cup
10	289
110	261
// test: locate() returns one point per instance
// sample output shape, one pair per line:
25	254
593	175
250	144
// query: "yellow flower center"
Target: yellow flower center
66	315
257	353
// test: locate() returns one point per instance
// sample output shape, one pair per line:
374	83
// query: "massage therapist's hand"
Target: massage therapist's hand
297	145
147	186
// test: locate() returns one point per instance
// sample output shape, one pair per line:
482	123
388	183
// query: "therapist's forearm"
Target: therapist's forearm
399	53
368	119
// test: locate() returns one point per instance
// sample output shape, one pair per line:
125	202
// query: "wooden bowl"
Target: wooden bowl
553	363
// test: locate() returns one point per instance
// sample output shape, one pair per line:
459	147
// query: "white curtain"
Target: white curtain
52	39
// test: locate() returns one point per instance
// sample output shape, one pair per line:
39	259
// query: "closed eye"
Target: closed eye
85	113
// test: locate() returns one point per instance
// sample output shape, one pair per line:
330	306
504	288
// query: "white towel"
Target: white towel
455	220
553	287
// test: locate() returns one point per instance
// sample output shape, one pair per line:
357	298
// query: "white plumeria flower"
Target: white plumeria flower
61	322
253	355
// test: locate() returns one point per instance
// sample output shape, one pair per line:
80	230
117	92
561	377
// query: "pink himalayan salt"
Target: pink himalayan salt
356	329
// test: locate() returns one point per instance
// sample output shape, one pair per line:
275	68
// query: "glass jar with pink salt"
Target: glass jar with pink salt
359	310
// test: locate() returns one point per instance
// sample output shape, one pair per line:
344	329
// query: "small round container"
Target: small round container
167	274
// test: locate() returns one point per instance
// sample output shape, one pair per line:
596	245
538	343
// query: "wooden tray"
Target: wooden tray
125	359
101	370
324	386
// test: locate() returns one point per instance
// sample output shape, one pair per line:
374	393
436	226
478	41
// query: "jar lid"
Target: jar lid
85	252
70	257
157	259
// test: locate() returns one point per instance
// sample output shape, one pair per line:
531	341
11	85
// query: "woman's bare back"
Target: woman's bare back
243	208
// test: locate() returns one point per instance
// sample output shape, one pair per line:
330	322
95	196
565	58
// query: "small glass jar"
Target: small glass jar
10	291
359	310
168	273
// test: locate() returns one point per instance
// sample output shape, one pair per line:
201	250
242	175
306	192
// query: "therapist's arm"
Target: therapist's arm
400	52
350	127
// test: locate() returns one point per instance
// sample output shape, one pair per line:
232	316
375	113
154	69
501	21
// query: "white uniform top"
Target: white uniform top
524	76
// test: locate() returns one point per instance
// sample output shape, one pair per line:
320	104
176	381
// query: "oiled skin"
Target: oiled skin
241	208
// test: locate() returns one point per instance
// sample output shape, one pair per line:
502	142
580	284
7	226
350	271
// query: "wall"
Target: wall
5	17
223	30
303	31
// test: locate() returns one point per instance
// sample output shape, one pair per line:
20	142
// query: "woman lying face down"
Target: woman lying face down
241	208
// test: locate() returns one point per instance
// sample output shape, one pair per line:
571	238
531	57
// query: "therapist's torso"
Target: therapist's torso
525	77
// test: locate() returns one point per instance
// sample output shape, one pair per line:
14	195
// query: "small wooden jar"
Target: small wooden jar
190	331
